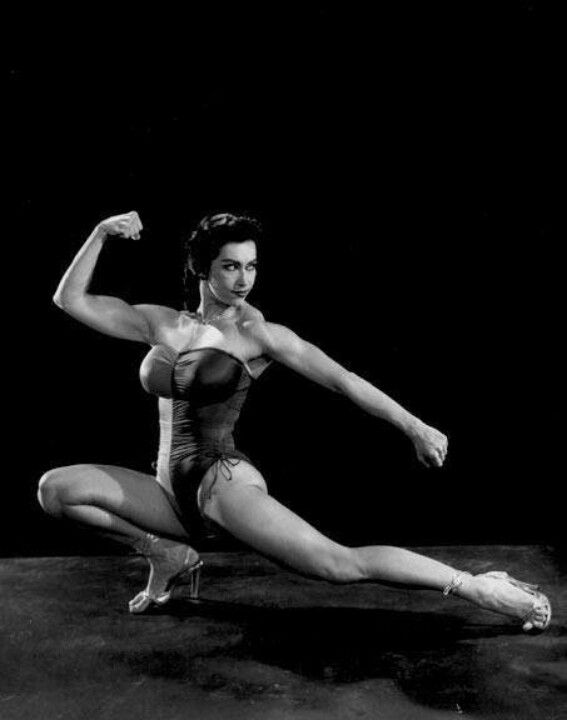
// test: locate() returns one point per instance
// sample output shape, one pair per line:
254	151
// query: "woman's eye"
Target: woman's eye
235	267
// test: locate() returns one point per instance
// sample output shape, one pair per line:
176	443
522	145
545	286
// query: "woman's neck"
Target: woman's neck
210	307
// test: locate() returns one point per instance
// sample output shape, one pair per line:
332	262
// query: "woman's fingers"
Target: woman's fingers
134	225
429	459
431	446
433	458
138	226
127	225
137	221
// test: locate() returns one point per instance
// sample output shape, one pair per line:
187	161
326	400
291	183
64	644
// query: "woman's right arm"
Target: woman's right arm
109	315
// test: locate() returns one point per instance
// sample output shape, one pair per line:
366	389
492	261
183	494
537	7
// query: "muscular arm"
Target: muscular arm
109	315
283	345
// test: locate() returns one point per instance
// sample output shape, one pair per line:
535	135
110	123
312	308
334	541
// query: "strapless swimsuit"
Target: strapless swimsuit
201	392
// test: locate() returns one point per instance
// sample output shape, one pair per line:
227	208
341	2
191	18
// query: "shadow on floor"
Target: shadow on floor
268	644
436	660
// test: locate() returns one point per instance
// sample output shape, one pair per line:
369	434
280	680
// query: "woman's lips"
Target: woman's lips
240	293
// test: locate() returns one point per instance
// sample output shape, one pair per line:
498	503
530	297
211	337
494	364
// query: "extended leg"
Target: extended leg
242	507
256	518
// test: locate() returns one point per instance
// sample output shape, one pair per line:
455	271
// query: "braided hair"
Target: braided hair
206	241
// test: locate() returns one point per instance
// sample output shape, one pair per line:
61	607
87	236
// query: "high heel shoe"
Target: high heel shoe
176	556
144	601
540	604
528	587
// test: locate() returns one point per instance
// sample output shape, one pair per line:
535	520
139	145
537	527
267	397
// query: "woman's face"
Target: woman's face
233	272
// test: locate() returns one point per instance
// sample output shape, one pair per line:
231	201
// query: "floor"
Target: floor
264	643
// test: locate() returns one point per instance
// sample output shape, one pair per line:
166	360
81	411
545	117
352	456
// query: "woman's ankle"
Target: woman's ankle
145	544
156	546
462	585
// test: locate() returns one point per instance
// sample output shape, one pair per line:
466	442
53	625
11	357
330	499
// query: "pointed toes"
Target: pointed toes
539	617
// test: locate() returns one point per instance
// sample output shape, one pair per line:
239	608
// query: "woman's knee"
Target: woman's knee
55	488
337	565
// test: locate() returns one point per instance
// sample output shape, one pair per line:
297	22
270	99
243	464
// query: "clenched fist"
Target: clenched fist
127	225
430	445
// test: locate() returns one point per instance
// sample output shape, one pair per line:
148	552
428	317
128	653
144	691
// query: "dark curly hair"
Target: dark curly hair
205	243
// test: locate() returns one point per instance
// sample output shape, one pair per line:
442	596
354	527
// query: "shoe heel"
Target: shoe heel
195	578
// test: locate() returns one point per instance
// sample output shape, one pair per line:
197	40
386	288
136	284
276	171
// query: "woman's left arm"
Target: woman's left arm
285	346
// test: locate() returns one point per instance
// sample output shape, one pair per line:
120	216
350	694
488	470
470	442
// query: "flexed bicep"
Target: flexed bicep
110	316
107	314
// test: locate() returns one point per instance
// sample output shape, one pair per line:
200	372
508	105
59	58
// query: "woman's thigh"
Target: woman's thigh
243	507
133	495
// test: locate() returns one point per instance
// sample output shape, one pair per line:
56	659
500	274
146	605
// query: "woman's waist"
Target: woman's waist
200	431
184	457
203	443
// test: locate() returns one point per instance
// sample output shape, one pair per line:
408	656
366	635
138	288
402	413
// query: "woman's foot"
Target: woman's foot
499	592
168	561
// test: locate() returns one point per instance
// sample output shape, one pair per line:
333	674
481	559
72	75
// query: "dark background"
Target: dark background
405	163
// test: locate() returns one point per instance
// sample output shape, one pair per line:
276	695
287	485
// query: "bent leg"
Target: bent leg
118	501
127	506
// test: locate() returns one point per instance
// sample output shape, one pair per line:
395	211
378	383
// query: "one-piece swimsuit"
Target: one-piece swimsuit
201	392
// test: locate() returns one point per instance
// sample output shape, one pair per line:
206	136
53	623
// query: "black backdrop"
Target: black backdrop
405	165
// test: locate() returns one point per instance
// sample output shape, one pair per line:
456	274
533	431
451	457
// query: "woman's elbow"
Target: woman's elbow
344	383
58	300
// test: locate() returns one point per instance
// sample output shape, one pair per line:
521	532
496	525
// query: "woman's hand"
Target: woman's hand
430	444
127	225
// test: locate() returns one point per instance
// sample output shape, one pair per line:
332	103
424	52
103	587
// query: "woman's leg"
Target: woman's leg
121	503
242	507
125	505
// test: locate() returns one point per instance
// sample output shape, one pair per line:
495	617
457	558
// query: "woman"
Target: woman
201	365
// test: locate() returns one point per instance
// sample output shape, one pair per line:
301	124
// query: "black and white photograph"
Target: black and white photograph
282	331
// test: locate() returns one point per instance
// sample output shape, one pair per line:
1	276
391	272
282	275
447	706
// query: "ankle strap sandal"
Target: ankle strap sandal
456	581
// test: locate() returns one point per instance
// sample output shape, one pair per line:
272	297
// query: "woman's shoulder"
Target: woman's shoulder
160	319
159	314
254	327
254	331
249	313
168	325
251	320
266	335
